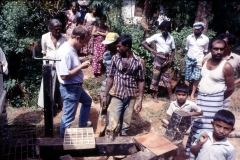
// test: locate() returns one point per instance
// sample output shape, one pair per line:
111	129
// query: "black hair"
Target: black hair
218	40
231	38
126	40
165	25
182	88
103	16
53	23
73	4
225	116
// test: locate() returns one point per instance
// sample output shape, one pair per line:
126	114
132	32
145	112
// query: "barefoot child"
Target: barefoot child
214	144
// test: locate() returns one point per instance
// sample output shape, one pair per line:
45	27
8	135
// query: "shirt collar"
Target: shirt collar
185	104
163	37
221	142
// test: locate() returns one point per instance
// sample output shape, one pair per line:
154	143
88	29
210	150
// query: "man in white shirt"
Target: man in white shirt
70	76
196	47
163	58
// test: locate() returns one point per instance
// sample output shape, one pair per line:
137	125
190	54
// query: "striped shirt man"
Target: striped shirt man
125	79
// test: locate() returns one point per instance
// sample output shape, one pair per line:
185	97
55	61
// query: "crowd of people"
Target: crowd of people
210	66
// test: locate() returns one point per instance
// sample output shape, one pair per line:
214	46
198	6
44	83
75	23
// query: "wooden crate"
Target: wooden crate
79	138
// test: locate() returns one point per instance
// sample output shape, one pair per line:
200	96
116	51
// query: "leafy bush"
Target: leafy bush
180	42
22	25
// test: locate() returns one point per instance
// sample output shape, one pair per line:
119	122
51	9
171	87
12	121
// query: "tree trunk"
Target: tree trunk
144	22
203	13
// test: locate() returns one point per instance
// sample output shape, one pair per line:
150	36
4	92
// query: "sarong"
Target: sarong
191	70
160	72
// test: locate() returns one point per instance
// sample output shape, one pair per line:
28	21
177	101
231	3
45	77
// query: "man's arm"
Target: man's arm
172	56
196	148
140	90
229	79
109	84
145	45
75	70
195	113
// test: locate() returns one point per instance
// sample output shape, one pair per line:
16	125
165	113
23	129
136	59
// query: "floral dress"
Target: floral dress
99	49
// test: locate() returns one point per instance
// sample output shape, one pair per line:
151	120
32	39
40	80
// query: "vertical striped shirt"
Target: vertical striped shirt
125	81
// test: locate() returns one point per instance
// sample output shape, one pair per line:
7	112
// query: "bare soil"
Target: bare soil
148	120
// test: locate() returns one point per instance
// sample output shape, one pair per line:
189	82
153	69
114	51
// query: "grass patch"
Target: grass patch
93	86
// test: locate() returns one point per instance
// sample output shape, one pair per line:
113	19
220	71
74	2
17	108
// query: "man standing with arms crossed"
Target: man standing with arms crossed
125	81
70	76
162	60
196	48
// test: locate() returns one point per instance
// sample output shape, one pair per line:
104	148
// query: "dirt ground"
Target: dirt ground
148	120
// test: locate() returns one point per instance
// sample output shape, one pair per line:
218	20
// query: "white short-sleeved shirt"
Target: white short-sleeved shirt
188	106
4	61
220	150
196	47
48	47
90	19
162	45
69	60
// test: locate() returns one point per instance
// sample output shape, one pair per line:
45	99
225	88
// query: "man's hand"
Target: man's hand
138	108
104	102
100	60
85	64
203	138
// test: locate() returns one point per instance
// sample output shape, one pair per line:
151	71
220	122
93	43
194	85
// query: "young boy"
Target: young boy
182	103
214	145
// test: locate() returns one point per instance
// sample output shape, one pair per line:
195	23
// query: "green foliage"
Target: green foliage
20	26
104	6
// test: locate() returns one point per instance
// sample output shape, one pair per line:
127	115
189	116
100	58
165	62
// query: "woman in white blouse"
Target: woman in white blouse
90	20
51	41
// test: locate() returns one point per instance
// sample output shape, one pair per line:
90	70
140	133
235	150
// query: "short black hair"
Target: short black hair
126	40
182	88
225	116
219	40
231	38
165	24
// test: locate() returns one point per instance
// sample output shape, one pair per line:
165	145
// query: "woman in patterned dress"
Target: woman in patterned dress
72	18
99	33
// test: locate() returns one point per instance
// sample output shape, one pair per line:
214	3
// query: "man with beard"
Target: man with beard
162	61
196	47
125	82
229	56
216	85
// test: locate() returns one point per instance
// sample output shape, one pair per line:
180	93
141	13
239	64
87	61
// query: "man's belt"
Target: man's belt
73	84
